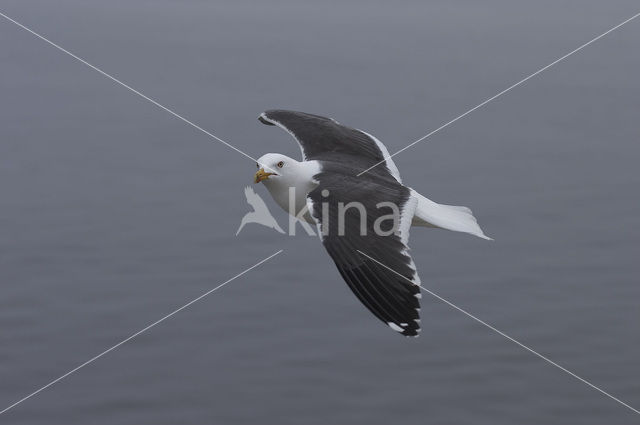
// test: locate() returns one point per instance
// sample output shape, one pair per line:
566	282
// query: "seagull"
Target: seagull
349	208
260	213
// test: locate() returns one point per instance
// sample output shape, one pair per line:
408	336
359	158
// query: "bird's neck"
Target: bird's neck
290	192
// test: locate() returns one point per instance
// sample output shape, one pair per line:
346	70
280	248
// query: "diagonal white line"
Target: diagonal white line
114	79
502	92
91	360
546	359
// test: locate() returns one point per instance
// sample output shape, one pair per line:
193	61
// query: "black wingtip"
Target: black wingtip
409	330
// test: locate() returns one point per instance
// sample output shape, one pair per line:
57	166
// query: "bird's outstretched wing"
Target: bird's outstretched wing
322	138
371	262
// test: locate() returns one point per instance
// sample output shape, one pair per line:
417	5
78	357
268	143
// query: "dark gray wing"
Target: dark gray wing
390	297
322	138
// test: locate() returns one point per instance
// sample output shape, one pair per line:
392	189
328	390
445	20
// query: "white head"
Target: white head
280	174
274	168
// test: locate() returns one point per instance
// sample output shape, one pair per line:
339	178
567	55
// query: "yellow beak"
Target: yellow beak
262	175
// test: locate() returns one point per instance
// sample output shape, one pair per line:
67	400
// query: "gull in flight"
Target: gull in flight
363	221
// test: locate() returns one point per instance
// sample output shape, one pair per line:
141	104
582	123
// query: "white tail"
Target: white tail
450	217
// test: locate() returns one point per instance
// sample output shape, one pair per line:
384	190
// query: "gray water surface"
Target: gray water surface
113	213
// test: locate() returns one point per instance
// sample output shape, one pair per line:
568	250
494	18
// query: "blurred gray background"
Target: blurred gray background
113	213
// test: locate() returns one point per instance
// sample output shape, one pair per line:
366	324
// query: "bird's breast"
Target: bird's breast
292	199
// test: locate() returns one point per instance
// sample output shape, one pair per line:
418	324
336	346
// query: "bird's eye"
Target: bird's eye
280	164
